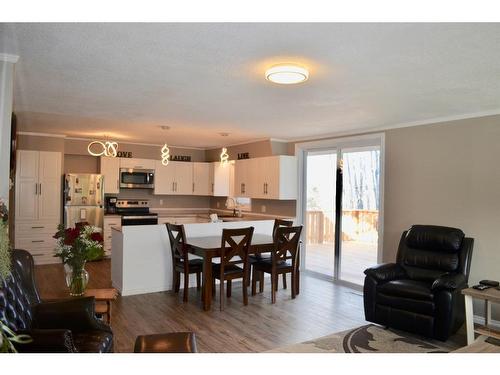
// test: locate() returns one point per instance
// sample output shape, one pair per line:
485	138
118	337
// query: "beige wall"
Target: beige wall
446	174
255	149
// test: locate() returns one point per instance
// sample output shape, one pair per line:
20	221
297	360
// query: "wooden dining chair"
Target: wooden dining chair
234	263
180	260
284	259
254	258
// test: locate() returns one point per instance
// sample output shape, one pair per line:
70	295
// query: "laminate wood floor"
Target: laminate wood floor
321	308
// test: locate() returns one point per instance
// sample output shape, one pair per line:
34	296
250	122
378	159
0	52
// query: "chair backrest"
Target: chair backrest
281	223
177	238
286	244
428	251
235	244
18	292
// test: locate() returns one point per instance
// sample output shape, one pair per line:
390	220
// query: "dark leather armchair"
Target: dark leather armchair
63	326
421	292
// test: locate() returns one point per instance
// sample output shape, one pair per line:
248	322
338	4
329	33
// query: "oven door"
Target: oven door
139	220
136	178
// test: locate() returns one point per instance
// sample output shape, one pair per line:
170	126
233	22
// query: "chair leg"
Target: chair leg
254	282
294	283
221	287
177	282
198	280
186	286
229	287
174	281
261	282
284	281
245	292
274	283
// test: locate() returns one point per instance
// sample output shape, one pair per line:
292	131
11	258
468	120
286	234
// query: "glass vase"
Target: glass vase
77	279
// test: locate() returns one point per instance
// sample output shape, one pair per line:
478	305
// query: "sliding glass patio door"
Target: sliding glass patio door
340	210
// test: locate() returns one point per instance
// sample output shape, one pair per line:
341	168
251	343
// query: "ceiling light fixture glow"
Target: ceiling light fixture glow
287	74
165	154
108	148
224	157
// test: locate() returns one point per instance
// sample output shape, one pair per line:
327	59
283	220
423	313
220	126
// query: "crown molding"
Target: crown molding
9	58
435	120
137	143
35	134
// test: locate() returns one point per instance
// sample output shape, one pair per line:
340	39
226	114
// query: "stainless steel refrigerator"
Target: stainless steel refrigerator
83	200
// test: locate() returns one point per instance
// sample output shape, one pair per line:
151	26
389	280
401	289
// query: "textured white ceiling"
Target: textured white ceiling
125	80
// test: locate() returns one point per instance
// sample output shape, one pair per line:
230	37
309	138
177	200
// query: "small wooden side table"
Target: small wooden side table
103	299
488	296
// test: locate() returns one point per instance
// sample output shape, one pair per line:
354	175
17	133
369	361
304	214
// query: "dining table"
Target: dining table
209	247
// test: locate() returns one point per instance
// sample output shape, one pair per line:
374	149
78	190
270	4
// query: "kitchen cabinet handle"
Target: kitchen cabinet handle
37	227
36	189
40	189
193	187
212	187
243	188
264	188
37	255
37	241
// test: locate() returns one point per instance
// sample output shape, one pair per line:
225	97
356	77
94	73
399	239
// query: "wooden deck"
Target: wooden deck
356	257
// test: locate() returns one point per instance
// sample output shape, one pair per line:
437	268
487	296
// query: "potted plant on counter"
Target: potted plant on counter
76	246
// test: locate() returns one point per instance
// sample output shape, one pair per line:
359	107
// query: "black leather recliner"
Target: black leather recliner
63	326
421	292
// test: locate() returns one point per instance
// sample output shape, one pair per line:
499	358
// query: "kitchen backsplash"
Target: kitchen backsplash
165	201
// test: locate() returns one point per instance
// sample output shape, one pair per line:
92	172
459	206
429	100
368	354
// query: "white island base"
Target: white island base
141	260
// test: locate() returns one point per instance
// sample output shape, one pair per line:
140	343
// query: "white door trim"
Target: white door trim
375	139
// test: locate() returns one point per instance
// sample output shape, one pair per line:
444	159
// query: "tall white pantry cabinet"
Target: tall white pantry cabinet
38	203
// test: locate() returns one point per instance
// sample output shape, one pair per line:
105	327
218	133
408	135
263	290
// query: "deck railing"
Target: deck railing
357	225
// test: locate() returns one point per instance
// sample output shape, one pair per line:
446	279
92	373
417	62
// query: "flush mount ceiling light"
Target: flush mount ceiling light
108	148
287	74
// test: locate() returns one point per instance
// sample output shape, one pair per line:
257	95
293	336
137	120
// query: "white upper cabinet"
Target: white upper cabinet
183	177
272	177
223	179
202	183
176	178
38	186
27	185
49	189
137	163
244	172
110	169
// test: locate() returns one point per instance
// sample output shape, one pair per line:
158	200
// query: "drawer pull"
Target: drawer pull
37	241
37	227
37	255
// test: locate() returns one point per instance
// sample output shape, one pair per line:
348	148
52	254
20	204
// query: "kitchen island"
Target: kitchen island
141	260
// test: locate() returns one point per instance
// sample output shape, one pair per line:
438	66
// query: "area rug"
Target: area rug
367	339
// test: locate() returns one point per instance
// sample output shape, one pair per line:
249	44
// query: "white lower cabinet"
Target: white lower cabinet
109	223
37	237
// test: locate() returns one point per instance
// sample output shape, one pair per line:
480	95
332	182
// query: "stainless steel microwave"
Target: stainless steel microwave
137	178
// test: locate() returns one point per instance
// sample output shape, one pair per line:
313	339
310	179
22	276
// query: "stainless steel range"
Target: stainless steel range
135	212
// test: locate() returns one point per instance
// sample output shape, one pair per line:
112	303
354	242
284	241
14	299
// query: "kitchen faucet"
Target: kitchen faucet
235	206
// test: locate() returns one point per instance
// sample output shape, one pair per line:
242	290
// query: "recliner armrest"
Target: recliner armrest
449	281
386	272
48	341
76	314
